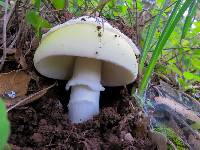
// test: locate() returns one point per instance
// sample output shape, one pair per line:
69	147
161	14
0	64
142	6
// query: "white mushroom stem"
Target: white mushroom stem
85	91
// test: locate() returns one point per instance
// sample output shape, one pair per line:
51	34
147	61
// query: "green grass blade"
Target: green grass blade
149	38
173	15
173	20
3	4
145	79
189	19
59	5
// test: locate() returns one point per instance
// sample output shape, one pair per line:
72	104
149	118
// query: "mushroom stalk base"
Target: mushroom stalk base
85	91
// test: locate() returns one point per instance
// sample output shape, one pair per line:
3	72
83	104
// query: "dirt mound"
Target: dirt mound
44	125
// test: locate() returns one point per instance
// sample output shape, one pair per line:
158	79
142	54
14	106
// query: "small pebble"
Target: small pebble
10	94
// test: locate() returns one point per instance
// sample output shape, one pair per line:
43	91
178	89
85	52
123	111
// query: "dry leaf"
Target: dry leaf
15	81
179	108
28	99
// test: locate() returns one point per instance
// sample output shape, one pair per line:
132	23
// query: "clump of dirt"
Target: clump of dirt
44	125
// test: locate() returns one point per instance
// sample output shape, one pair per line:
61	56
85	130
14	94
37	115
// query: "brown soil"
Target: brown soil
44	125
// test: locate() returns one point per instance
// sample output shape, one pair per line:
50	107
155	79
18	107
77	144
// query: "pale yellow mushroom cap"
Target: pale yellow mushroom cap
90	37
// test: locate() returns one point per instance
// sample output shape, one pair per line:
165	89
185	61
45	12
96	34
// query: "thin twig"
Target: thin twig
15	39
29	50
173	48
5	21
175	56
11	11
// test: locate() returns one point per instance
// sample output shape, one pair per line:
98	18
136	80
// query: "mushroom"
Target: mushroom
89	53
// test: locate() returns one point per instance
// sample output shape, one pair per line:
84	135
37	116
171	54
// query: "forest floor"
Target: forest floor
37	106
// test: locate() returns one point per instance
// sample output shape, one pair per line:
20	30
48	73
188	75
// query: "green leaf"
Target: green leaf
160	3
175	69
185	43
139	5
37	21
36	3
196	62
196	28
197	53
184	84
4	125
189	19
191	76
122	9
59	4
